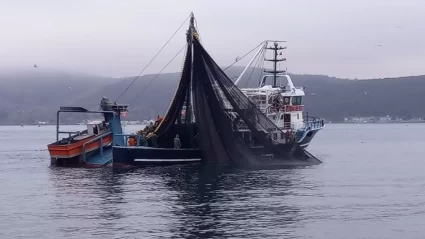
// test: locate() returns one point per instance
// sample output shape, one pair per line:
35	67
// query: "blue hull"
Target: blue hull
308	138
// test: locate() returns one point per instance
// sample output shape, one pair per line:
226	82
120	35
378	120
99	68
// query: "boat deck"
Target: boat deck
98	160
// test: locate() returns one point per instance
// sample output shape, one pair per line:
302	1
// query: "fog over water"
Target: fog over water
355	39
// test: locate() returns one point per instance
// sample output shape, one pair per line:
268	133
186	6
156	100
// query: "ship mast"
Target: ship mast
190	32
275	60
190	35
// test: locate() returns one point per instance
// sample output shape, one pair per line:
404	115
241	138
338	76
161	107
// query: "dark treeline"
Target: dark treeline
31	96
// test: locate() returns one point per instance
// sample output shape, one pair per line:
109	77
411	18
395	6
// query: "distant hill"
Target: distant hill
29	96
35	95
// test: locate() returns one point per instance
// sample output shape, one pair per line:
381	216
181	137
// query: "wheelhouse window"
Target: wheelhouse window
297	100
286	100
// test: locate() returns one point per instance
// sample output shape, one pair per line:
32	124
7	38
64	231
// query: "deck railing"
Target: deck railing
100	138
69	133
137	136
310	123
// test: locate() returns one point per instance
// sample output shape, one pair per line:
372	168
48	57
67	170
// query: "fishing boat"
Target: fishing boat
216	122
91	147
281	101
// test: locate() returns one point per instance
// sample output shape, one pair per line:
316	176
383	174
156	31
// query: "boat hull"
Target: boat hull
72	150
97	154
305	142
124	156
93	159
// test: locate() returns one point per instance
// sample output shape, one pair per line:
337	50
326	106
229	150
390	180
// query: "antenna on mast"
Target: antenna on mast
275	60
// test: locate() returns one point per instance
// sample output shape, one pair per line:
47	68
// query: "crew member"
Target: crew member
143	140
287	136
275	103
177	143
154	140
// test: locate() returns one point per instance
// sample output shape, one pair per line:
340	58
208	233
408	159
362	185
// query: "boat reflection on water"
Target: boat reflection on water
225	201
189	201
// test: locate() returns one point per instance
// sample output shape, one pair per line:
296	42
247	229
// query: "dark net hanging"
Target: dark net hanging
216	97
172	123
216	101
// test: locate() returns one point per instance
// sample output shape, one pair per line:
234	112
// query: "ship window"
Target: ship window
296	100
281	116
298	116
282	135
286	100
275	136
95	131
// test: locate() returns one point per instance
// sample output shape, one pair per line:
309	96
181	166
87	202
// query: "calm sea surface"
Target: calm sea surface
371	185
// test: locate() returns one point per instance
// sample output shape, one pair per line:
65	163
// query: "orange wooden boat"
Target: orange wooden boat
78	148
70	148
93	146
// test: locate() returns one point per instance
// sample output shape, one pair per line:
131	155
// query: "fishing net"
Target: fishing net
173	123
218	103
219	109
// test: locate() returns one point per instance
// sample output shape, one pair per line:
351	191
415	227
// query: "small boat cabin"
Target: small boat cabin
97	127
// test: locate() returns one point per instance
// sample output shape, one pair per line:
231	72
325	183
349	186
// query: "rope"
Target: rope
175	93
253	69
243	56
159	73
134	80
262	67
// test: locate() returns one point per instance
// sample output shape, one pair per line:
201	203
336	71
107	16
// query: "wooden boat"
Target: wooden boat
73	147
93	146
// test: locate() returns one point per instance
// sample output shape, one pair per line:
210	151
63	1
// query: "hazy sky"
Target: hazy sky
117	38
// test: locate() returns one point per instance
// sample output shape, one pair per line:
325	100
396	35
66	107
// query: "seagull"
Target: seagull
398	27
365	92
35	65
70	87
312	93
378	45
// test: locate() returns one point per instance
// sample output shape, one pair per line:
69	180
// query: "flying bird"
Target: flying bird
365	92
378	45
35	65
